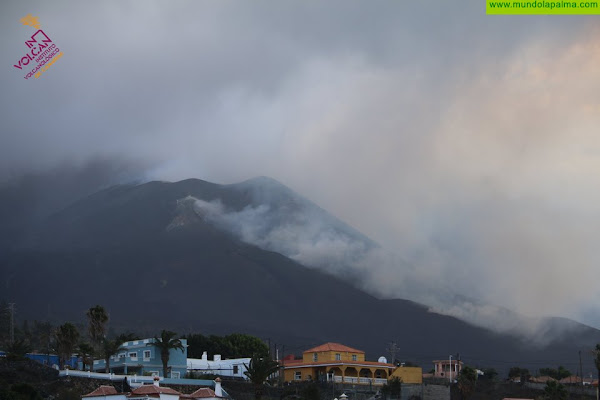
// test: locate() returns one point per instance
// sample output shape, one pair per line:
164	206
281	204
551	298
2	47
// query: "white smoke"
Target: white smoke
312	241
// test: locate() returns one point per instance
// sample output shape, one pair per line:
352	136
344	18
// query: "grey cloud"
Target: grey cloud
463	142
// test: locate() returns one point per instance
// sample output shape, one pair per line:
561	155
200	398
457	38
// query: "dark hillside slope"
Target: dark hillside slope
156	264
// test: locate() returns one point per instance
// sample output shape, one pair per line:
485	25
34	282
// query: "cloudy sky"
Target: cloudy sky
466	143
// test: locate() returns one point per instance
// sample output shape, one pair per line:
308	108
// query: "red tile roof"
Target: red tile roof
203	393
153	391
300	363
541	379
103	390
333	347
571	379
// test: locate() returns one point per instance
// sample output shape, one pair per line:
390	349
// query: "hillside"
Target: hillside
156	260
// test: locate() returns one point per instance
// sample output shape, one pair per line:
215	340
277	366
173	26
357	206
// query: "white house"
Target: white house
231	368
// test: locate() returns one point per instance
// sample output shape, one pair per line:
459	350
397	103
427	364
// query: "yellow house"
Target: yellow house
408	374
336	362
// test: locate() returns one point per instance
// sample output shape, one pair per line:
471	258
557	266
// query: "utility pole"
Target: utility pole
392	349
581	371
282	367
11	307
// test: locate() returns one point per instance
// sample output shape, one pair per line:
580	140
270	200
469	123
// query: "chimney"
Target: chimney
156	381
217	357
204	356
218	389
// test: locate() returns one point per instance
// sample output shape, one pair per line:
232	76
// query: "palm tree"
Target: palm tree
17	350
66	337
45	334
108	349
85	351
165	343
97	319
258	372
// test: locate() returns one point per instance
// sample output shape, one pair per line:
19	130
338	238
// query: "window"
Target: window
175	375
354	358
133	356
298	374
315	357
235	369
338	357
147	355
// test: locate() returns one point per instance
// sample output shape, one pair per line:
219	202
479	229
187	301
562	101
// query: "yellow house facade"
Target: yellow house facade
408	374
338	363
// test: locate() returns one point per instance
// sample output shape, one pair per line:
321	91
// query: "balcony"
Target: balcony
360	381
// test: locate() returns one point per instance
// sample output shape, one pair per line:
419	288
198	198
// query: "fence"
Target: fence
133	379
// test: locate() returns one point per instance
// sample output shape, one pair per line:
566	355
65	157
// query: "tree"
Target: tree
557	374
165	343
85	351
127	337
242	345
514	372
42	336
521	373
467	379
236	345
489	374
258	371
555	391
66	337
109	348
18	350
393	388
97	319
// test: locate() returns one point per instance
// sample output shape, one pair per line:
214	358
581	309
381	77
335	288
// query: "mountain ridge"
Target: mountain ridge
199	276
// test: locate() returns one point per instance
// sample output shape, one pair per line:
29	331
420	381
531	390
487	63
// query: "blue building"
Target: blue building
49	359
142	357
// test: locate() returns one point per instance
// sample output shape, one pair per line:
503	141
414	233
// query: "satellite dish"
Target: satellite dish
382	359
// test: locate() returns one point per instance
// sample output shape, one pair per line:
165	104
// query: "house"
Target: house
540	379
448	369
408	374
105	392
143	357
156	392
233	368
338	363
570	380
208	393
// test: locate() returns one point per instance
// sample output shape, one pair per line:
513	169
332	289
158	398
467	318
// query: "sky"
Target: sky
465	143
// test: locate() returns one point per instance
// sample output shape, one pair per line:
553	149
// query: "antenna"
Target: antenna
392	349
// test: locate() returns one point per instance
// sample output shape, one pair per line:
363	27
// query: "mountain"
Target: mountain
186	256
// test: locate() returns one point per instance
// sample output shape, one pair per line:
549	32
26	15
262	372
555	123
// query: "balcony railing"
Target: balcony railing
359	380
